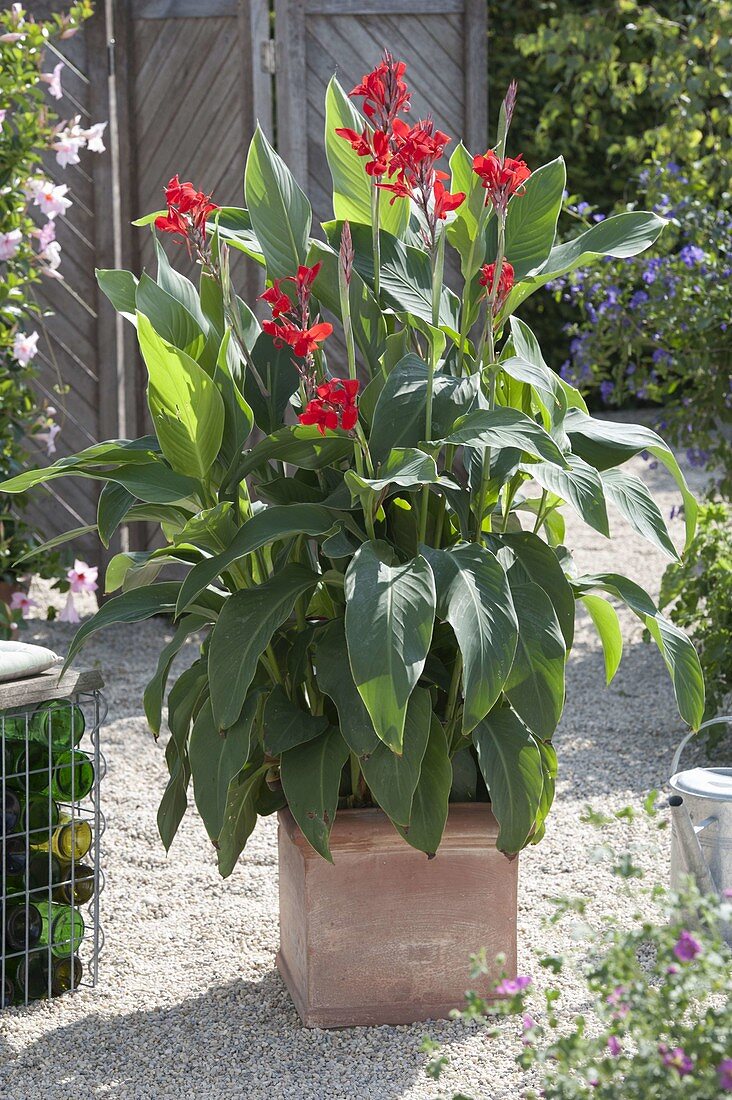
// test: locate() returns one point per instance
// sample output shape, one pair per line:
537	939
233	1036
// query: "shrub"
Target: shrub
29	251
701	586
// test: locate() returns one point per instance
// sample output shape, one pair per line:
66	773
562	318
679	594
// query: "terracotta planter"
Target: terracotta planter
384	935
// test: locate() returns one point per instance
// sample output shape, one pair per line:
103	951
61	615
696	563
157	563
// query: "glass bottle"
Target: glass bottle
11	812
63	927
83	890
71	840
43	871
39	815
23	926
73	776
7	993
66	974
15	856
29	772
58	722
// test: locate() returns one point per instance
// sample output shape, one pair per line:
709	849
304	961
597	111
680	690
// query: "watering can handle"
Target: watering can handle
693	733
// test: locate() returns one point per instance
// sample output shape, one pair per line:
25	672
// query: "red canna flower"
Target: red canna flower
302	341
384	92
188	211
505	282
305	277
444	201
375	146
277	300
334	406
417	151
501	177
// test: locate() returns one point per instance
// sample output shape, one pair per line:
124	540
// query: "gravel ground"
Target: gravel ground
189	1003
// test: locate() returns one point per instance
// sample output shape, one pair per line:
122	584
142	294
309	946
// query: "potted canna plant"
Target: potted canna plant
365	492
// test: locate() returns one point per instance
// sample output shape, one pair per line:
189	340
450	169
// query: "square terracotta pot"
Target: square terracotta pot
384	935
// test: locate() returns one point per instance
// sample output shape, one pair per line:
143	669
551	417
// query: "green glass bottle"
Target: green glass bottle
59	723
31	977
40	815
23	926
29	771
73	776
63	928
71	840
66	974
15	856
83	889
7	993
11	811
43	871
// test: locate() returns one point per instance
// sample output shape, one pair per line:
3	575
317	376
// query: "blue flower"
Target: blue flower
599	217
638	299
607	389
583	208
691	254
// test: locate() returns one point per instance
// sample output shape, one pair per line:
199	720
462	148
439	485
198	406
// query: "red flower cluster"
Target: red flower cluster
334	406
188	210
505	282
406	154
290	324
502	177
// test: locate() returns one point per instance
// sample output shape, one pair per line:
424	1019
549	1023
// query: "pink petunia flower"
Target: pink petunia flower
687	947
509	987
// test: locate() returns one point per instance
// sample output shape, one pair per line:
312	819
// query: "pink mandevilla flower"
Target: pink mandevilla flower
51	199
53	80
69	614
687	947
20	601
9	244
83	577
25	347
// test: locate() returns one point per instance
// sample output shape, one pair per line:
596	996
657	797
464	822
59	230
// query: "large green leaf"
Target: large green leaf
333	673
121	289
240	815
405	467
278	208
608	443
152	699
286	725
510	761
463	230
535	685
677	651
112	452
504	427
474	597
543	567
554	389
113	505
171	320
406	276
550	767
265	526
154	483
390	611
531	218
632	499
607	625
215	759
579	484
180	288
351	185
243	631
238	415
301	446
130	607
281	379
624	234
184	697
399	414
369	326
59	540
185	405
311	775
430	801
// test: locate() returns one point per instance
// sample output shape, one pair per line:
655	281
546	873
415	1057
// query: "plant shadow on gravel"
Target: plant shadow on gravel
242	1039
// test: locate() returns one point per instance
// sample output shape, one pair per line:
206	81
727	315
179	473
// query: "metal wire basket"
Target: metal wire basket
51	767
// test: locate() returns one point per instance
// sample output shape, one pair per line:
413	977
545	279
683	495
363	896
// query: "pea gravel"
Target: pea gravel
189	1003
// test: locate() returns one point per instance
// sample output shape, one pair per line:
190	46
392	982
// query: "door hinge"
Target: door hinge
267	55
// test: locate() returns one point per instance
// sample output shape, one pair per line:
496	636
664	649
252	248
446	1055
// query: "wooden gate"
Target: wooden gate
183	83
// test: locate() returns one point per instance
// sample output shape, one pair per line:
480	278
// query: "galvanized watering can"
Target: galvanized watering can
701	824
